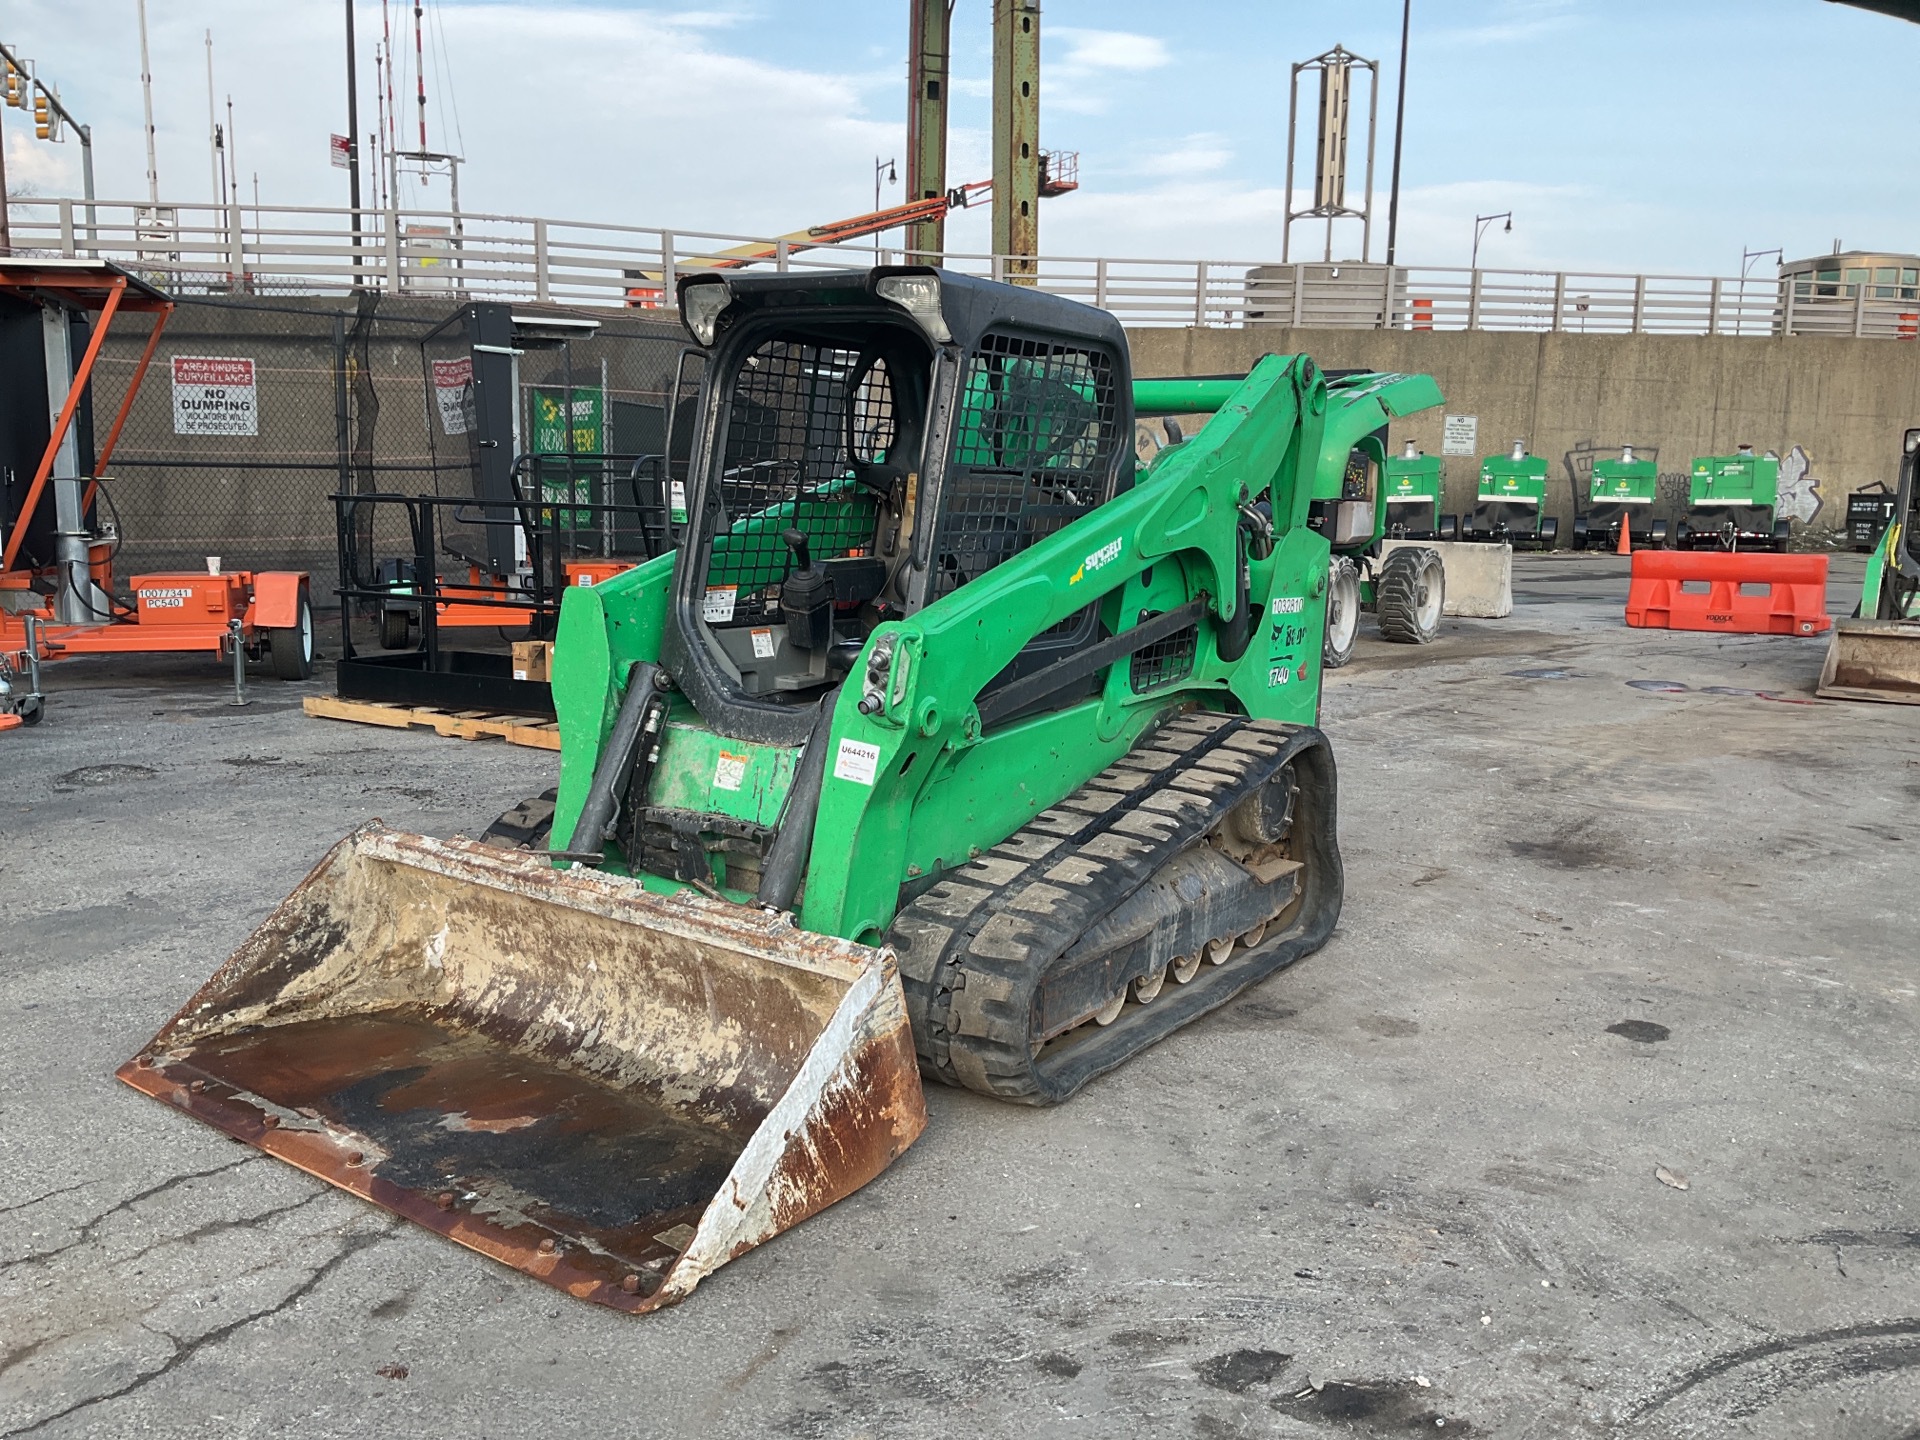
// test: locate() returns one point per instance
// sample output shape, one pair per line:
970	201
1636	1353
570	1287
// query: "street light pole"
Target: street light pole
1480	223
1399	131
1747	257
892	177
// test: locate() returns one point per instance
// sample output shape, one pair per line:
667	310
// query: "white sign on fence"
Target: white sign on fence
1460	435
453	395
214	395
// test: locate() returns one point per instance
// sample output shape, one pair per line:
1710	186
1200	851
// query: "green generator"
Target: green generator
1414	489
1511	504
1731	500
1620	492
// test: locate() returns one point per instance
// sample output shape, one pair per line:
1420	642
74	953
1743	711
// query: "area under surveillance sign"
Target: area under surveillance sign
215	395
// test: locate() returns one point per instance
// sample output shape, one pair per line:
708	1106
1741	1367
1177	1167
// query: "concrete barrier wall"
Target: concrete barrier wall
1833	409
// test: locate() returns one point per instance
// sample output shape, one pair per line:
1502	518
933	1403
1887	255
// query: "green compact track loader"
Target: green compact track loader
1731	504
945	744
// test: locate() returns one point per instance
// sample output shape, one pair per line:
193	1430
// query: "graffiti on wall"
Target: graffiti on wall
1800	497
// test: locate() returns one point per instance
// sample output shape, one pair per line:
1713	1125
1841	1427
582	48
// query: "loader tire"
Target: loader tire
527	826
1343	613
396	628
1411	593
1021	967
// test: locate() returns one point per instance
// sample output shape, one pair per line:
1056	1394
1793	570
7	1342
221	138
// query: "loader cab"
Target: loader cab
864	444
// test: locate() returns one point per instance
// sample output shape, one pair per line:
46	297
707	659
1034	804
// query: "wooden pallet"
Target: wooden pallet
464	724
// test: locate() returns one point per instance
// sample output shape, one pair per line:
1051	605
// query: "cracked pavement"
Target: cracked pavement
1593	930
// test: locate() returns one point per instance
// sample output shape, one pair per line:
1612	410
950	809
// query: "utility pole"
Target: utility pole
353	144
929	53
1399	131
1016	137
146	97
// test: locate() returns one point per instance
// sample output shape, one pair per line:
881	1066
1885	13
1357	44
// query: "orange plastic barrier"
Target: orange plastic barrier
1423	314
1741	593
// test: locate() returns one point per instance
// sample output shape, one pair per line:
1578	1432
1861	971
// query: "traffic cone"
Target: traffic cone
1625	547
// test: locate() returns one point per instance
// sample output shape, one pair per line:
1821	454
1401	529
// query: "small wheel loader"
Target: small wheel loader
943	745
1404	586
1876	655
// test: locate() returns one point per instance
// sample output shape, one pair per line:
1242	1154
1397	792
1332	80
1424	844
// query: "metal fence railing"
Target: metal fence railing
224	249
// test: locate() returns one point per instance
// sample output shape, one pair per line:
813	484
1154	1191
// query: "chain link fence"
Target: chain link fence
256	409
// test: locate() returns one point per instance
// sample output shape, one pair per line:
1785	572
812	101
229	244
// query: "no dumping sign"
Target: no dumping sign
214	395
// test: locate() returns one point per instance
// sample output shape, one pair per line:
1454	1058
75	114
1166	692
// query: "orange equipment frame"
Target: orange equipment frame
188	611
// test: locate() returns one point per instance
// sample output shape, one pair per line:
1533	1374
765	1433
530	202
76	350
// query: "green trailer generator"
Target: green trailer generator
1415	492
1511	504
1620	492
1731	501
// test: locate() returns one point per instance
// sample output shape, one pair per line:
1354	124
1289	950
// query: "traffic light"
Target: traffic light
16	85
42	115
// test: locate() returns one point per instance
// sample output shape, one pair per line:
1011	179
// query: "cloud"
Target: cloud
665	126
1081	81
1198	154
1514	20
1089	51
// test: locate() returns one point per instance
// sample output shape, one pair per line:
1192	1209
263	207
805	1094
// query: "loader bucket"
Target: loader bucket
610	1090
1873	660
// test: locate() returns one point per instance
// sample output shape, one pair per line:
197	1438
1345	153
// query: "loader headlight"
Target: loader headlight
1913	441
919	296
702	299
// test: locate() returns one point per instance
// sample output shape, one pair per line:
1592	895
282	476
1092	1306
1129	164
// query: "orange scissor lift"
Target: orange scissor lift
57	587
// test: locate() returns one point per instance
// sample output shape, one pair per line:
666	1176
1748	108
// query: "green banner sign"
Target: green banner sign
555	423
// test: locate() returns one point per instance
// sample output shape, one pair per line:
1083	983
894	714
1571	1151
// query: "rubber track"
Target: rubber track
971	946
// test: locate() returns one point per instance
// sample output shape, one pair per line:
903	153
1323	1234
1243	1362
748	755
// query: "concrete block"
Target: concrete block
1479	577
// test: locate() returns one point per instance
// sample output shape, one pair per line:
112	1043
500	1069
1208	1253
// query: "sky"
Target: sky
1660	136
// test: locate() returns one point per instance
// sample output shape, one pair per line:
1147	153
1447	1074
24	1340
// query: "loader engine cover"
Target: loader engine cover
616	1126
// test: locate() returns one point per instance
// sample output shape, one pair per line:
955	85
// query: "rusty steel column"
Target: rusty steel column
1016	137
929	49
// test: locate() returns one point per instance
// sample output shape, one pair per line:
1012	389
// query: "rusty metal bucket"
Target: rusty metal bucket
1873	660
613	1091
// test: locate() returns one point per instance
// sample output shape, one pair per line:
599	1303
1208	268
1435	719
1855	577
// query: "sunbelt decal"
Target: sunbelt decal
1099	559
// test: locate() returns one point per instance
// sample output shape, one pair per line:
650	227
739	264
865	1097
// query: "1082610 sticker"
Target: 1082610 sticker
717	606
857	761
1289	605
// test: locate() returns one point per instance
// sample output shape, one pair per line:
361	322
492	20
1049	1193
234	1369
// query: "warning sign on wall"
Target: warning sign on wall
214	395
1460	435
453	395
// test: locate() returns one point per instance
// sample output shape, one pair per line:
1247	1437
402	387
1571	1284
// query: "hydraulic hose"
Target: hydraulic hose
788	855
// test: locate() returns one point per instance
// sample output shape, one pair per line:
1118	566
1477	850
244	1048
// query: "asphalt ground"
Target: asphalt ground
1596	1116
